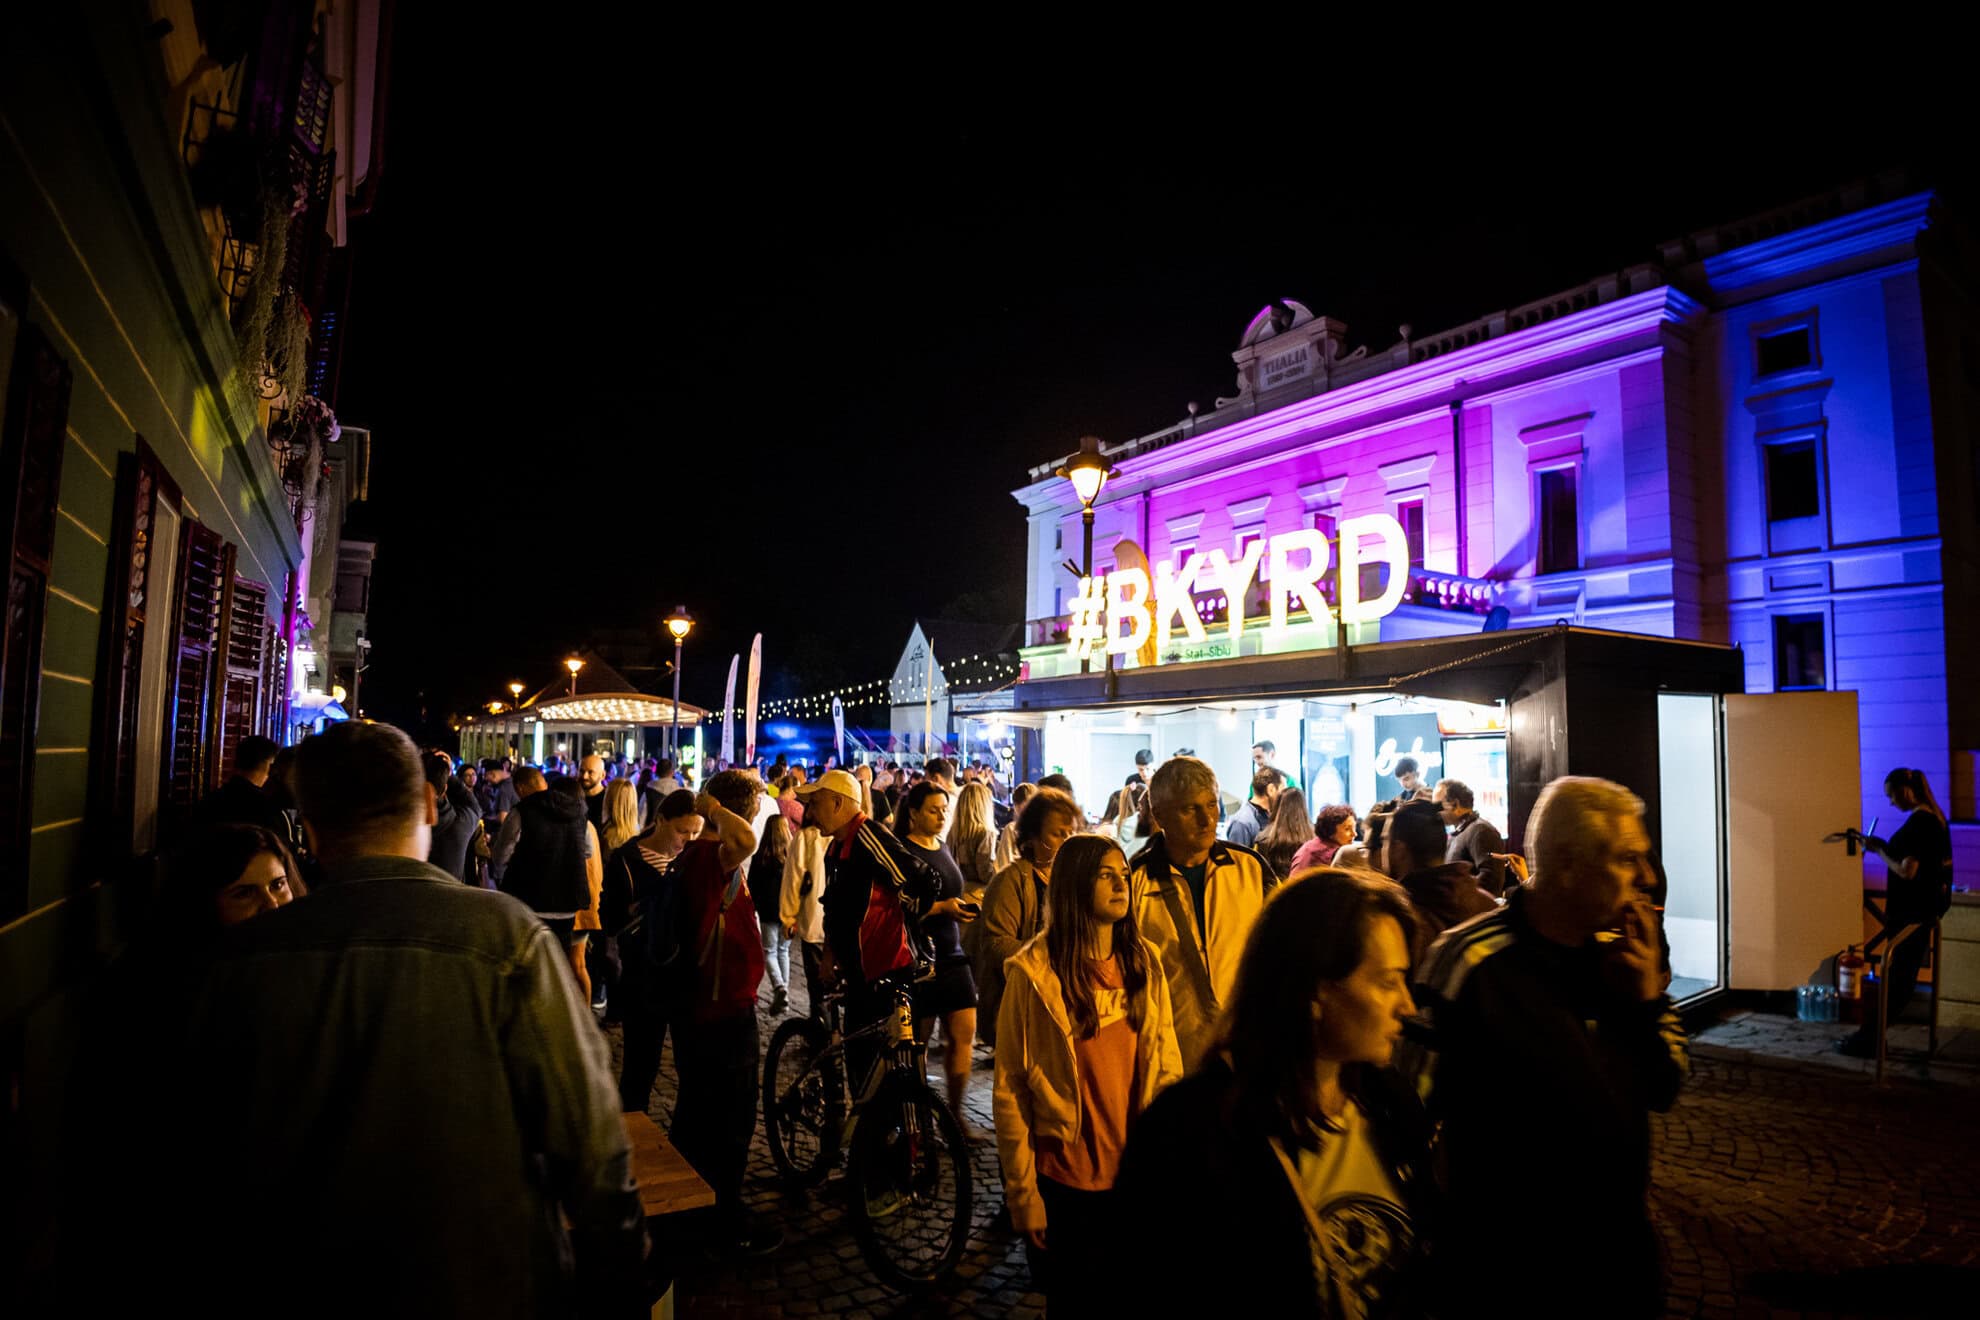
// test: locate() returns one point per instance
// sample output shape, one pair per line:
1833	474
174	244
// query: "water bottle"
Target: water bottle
1804	1004
1827	1004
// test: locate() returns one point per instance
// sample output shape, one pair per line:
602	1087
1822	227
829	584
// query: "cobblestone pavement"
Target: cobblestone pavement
1779	1190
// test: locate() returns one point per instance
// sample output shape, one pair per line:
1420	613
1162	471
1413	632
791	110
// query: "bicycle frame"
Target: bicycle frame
897	1025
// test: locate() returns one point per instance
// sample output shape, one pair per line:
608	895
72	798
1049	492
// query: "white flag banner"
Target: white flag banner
729	714
928	707
839	728
749	701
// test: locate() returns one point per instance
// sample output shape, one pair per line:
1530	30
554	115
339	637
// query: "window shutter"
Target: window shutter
239	673
275	687
31	475
120	669
189	712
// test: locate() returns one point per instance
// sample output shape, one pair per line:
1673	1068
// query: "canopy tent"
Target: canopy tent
600	694
600	706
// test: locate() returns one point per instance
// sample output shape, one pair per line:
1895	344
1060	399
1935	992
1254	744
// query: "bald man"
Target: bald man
591	775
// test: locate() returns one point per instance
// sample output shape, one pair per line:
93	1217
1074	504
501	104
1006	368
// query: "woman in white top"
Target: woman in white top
802	906
1007	849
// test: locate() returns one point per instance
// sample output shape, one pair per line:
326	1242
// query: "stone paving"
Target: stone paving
1744	1036
1784	1185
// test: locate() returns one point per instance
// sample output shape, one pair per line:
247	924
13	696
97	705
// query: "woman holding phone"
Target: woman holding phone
951	995
1086	1040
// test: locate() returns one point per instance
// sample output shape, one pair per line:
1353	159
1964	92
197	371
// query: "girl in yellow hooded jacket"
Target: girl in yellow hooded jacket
1085	1039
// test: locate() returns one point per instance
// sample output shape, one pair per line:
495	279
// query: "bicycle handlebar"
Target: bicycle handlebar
900	981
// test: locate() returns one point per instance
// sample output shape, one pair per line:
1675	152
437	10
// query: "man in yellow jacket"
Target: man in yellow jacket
1195	897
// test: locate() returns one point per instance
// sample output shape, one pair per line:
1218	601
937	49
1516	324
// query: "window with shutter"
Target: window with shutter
142	483
275	688
239	674
189	702
31	479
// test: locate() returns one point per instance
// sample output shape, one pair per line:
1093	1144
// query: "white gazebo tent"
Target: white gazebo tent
597	711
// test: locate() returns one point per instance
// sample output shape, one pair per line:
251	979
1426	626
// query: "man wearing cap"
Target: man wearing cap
876	894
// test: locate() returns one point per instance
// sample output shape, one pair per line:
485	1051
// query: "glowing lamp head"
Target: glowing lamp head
574	664
680	623
515	690
1087	471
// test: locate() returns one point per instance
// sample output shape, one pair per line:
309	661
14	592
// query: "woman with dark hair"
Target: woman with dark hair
1333	830
950	994
1088	1041
1364	853
1918	890
1295	1149
225	876
1285	833
1014	904
132	1033
588	919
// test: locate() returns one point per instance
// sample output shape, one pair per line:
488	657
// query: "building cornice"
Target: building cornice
1834	242
1493	364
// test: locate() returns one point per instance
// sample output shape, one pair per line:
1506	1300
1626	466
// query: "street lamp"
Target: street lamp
515	690
680	623
574	664
1088	472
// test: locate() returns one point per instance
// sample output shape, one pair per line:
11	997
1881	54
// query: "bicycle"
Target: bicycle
907	1169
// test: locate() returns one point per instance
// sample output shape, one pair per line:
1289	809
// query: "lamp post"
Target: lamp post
574	664
1088	472
680	623
515	690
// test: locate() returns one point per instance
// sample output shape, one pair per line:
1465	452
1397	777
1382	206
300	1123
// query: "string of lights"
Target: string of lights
972	669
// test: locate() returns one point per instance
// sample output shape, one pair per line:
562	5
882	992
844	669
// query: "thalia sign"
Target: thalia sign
1120	611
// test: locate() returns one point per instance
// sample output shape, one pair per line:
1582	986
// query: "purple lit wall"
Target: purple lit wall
1650	395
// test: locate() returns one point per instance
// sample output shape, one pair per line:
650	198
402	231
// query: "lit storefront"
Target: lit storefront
1504	712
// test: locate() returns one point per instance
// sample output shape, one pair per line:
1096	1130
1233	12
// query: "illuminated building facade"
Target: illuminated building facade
1763	439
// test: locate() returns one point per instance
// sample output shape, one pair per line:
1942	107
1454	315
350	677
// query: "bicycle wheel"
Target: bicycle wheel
908	1179
803	1113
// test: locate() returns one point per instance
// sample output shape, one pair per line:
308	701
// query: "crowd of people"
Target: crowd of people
1341	1055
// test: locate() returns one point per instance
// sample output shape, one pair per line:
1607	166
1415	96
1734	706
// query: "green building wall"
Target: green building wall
96	213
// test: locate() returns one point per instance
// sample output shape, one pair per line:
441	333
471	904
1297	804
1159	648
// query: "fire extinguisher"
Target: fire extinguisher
1850	966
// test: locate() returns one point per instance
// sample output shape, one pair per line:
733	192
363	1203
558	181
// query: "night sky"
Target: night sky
782	356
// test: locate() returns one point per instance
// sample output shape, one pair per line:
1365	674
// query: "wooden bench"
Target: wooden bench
668	1184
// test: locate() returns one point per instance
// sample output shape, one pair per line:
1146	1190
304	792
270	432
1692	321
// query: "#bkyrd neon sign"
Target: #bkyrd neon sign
1121	611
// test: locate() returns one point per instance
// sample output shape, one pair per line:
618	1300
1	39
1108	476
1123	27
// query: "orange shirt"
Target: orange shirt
1105	1067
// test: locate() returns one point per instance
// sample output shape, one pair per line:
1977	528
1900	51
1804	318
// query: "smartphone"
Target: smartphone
969	905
